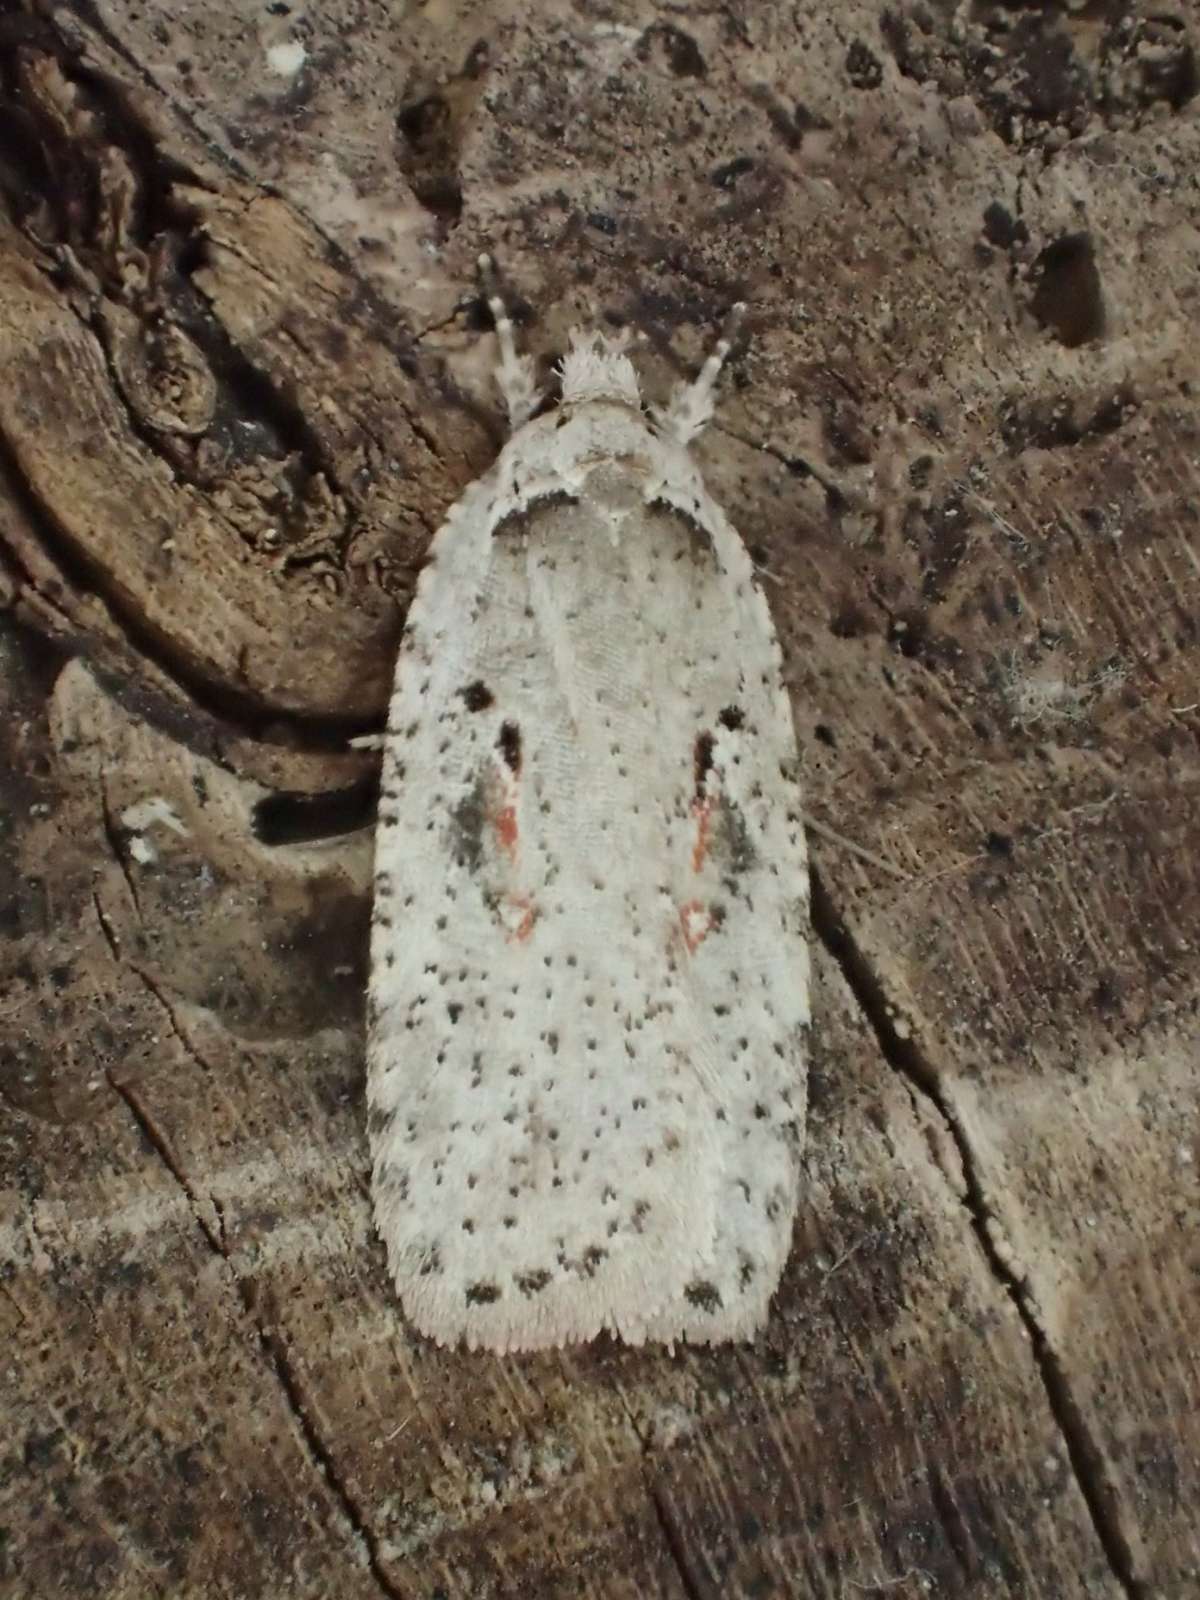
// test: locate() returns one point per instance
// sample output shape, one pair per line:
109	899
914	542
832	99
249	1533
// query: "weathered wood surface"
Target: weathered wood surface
244	373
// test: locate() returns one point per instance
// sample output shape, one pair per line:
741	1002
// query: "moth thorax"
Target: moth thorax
616	486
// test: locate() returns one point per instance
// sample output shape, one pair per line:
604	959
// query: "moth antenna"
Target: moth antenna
690	408
514	373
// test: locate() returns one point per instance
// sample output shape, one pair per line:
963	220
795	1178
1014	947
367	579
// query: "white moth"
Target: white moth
589	963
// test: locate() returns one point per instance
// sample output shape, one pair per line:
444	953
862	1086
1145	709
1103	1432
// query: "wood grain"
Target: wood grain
245	374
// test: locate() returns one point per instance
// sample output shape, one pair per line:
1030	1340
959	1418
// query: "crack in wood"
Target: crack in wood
1083	1451
672	1535
112	835
320	1454
673	1539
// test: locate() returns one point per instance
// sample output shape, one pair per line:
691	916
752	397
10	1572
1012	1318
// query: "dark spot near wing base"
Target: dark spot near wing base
703	760
509	746
477	696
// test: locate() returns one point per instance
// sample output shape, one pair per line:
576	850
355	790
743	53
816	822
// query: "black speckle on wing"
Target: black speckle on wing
704	1296
739	847
468	820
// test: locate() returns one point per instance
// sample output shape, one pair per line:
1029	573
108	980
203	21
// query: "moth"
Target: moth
588	1005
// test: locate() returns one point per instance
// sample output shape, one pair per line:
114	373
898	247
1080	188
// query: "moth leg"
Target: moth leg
514	374
690	407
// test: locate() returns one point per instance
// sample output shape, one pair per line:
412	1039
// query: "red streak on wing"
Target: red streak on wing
702	810
696	923
521	931
505	824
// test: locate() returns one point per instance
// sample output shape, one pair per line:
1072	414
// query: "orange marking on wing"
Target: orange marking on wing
521	930
702	810
696	922
504	821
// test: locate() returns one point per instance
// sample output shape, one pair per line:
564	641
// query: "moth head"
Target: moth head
596	367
